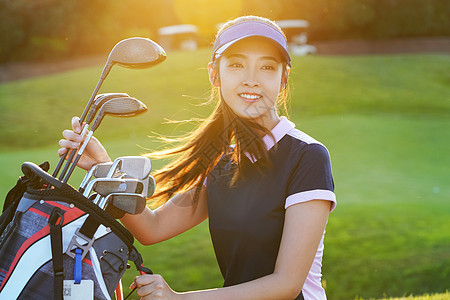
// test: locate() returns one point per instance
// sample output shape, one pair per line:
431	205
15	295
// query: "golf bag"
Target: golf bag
56	243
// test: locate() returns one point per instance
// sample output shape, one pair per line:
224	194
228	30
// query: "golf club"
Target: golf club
151	187
136	53
98	171
132	166
105	186
99	101
130	203
118	107
132	185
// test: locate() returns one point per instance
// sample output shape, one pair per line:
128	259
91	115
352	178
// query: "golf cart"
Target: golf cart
183	37
296	33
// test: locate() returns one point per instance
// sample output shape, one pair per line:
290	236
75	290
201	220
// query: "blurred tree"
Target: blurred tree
272	9
50	29
206	14
47	29
397	18
27	24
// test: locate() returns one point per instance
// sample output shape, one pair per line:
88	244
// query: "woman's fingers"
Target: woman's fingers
76	125
144	284
62	151
94	153
153	287
72	136
71	140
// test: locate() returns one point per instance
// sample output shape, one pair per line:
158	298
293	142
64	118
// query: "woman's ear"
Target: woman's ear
213	75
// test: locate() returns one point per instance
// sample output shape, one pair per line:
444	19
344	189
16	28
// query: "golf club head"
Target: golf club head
114	168
136	53
134	186
98	171
99	101
146	187
128	202
102	170
105	186
135	166
119	107
151	186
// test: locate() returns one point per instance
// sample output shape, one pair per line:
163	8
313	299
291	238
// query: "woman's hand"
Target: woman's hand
94	153
153	287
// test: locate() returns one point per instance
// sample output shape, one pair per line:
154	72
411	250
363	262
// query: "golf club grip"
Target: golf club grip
77	158
60	163
66	166
72	167
63	157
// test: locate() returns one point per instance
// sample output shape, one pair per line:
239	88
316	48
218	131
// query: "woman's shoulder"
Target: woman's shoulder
300	143
302	137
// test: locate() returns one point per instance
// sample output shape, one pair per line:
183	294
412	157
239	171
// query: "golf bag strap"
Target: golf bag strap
89	227
85	233
57	254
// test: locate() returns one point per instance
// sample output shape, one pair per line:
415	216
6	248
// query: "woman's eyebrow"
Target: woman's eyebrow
238	55
270	58
235	55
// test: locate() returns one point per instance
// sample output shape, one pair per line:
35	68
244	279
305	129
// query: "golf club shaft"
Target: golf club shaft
83	116
86	179
91	100
77	158
69	160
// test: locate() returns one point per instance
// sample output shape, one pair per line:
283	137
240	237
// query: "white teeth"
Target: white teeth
250	97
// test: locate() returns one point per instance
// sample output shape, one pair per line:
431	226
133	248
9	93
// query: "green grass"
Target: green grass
442	296
385	120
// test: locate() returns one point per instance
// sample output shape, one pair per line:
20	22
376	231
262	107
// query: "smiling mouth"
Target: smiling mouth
250	97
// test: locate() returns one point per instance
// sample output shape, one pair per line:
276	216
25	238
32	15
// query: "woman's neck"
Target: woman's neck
268	122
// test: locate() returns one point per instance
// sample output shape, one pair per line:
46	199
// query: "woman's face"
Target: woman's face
250	78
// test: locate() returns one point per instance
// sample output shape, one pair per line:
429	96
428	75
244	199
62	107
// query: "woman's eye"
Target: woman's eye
236	65
268	68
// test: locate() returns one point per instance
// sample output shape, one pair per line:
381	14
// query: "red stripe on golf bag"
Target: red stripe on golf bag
87	261
36	211
69	215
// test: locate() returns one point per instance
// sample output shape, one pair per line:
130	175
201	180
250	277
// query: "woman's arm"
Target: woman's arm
176	216
303	229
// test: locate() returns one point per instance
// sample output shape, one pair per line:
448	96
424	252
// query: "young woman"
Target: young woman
266	187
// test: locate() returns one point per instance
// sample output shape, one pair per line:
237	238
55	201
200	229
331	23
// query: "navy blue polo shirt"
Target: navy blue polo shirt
246	220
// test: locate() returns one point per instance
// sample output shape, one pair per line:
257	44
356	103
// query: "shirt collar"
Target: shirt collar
278	132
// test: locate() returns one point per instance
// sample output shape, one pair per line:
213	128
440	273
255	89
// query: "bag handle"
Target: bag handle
31	169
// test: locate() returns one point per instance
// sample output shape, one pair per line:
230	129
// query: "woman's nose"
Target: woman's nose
250	79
